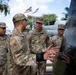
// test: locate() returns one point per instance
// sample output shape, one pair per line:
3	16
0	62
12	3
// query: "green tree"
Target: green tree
65	14
49	17
4	7
30	22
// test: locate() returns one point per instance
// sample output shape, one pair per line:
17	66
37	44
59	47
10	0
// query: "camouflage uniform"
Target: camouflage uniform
3	51
57	41
38	42
20	60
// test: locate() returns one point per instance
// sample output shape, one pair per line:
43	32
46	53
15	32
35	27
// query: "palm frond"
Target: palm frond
4	8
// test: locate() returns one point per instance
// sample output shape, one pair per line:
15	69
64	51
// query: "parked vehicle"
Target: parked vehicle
52	29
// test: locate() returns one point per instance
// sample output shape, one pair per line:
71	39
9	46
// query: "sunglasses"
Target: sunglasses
3	27
60	29
39	23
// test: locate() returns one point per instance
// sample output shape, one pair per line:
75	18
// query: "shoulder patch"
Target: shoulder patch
12	42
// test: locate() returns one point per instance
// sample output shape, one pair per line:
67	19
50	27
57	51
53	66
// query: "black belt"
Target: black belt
33	52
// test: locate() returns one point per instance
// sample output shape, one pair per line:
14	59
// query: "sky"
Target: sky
45	7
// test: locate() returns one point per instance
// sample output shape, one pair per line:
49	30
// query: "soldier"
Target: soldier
57	41
39	40
69	56
3	48
20	57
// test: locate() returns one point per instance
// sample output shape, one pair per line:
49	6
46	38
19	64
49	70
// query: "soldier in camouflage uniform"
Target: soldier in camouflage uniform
3	48
20	57
39	40
57	41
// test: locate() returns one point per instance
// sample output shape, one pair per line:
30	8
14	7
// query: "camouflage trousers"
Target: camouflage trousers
41	68
3	70
20	71
38	69
29	70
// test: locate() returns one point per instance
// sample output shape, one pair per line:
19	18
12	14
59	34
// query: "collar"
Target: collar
18	32
41	32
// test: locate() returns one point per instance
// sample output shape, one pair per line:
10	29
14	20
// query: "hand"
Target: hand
48	48
52	48
66	58
56	49
50	53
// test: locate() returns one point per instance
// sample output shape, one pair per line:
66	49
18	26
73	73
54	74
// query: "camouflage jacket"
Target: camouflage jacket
20	56
38	41
3	49
56	40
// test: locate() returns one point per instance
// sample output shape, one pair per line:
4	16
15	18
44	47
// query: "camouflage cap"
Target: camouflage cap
39	19
19	17
2	24
61	26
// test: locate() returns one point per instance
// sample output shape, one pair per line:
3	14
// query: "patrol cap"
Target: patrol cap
2	25
19	17
39	20
61	26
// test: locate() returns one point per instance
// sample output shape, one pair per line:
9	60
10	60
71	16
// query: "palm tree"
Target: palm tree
65	14
4	7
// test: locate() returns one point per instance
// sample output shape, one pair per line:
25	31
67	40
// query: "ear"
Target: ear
21	22
42	25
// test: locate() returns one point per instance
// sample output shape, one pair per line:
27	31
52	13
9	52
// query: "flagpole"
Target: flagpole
32	22
33	17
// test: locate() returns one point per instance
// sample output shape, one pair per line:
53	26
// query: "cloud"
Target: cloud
69	0
19	1
19	6
9	24
44	1
59	1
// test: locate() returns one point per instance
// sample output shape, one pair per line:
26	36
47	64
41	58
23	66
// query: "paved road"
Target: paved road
49	68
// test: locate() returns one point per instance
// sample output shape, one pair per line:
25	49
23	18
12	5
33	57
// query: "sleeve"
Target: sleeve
29	40
28	37
53	39
34	58
39	57
7	44
19	57
16	49
48	40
